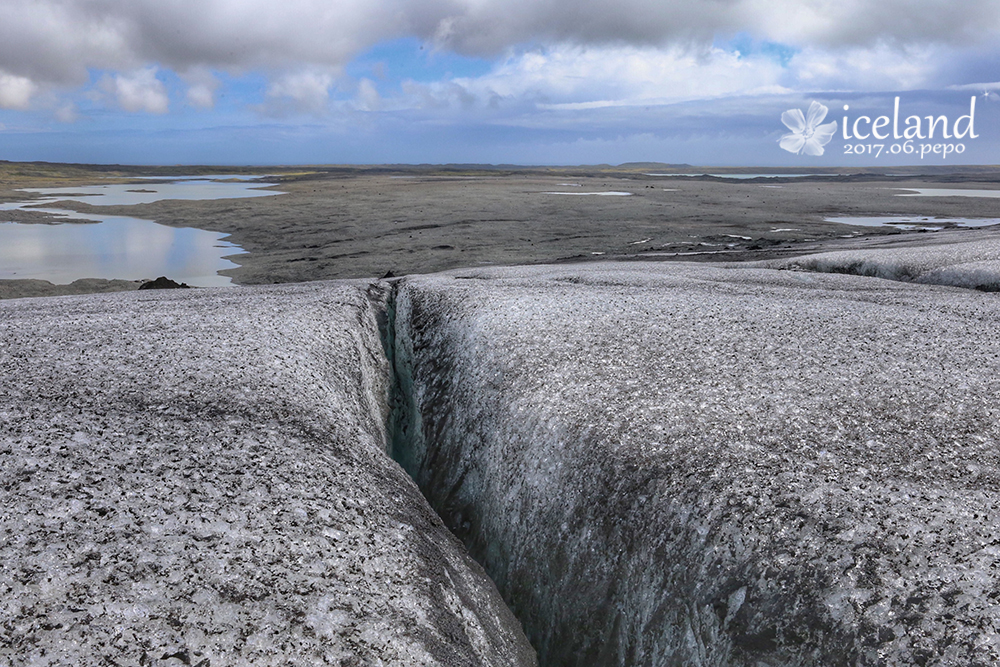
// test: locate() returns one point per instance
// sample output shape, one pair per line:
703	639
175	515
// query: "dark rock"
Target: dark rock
163	283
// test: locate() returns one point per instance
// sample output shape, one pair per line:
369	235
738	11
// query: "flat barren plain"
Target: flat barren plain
354	222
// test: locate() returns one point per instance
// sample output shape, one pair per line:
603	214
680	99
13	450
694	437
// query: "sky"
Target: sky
535	82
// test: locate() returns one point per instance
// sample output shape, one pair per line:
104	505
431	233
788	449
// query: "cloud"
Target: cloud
980	87
201	96
489	26
865	69
67	113
608	76
368	98
305	91
138	91
57	41
574	78
897	23
15	91
202	85
551	54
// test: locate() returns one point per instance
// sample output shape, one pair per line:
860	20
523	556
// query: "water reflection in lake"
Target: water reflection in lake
119	246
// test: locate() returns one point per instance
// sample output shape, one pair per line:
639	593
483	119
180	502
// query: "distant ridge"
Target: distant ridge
654	165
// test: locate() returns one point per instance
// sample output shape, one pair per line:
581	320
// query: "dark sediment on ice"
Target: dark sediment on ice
200	477
685	464
657	463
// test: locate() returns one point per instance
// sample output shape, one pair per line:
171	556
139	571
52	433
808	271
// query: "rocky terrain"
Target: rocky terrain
358	222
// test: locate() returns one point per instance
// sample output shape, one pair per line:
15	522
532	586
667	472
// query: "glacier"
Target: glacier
686	464
969	264
785	463
199	477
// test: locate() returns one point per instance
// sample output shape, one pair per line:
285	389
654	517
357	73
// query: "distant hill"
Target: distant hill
653	165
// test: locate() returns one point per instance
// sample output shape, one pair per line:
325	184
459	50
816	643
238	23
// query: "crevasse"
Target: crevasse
708	466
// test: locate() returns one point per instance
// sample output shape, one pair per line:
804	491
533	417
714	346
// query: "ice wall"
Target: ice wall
667	464
973	264
199	477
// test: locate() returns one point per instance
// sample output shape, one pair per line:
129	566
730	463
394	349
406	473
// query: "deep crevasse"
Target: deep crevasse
670	464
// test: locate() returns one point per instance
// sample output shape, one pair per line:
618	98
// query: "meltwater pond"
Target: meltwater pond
117	247
130	194
121	247
949	192
915	222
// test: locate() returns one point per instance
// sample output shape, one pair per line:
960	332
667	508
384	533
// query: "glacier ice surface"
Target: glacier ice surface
679	464
972	264
199	477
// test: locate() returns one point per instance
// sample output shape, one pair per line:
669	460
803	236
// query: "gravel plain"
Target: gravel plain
363	222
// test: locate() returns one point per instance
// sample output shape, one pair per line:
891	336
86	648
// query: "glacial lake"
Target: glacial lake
610	193
122	247
949	192
742	176
130	194
915	223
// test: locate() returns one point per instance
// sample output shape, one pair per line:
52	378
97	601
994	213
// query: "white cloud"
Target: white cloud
56	41
368	98
986	90
67	113
201	96
878	68
981	87
656	49
202	85
15	91
303	92
611	76
579	78
138	91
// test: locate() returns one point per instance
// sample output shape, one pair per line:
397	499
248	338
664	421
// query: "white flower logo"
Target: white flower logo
807	135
